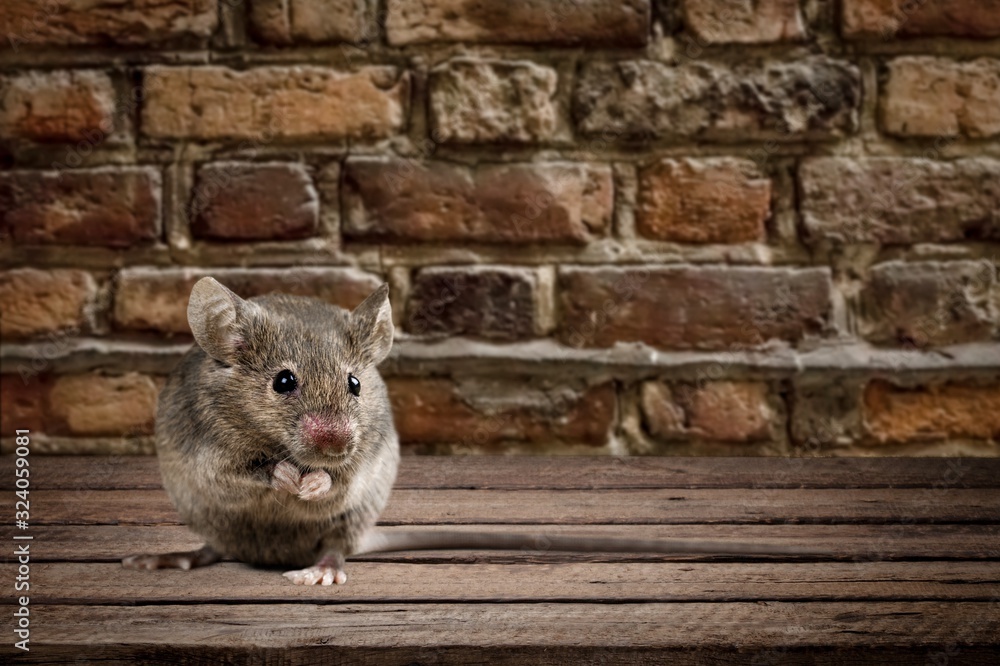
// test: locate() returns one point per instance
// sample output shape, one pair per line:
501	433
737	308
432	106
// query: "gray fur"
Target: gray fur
221	431
221	428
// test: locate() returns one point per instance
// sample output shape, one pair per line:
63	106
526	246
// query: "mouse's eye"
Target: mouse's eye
285	382
353	385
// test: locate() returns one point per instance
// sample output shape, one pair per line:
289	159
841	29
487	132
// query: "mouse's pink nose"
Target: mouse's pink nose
329	434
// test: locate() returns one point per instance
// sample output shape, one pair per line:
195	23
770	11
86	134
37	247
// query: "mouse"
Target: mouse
277	446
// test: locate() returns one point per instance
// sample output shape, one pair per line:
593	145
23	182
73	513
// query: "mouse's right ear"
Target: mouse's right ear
216	316
372	324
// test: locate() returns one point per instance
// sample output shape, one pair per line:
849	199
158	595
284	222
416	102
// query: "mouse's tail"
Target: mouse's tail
382	541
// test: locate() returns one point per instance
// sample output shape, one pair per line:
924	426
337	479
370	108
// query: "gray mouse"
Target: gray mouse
276	443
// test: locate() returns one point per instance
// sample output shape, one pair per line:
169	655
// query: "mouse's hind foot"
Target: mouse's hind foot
183	560
328	571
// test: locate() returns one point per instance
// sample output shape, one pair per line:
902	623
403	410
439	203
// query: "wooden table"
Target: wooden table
916	579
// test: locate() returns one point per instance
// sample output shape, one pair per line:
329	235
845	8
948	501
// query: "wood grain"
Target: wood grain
582	507
109	543
934	596
571	472
544	633
628	582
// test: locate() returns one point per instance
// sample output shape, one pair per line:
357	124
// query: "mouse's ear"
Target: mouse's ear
216	316
372	324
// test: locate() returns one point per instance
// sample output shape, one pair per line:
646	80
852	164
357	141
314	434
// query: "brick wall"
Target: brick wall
648	226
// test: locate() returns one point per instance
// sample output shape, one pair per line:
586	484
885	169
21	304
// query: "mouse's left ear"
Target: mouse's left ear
217	317
371	324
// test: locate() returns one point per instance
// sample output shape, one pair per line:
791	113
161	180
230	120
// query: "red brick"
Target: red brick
691	308
900	200
815	98
939	97
895	415
130	22
395	200
921	18
97	405
930	303
535	22
290	21
476	414
479	301
720	411
22	404
240	202
109	206
268	103
35	302
155	299
477	101
738	21
57	106
714	200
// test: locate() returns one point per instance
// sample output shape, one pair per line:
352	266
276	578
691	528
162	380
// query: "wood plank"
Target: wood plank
570	472
629	582
582	507
538	607
543	633
109	543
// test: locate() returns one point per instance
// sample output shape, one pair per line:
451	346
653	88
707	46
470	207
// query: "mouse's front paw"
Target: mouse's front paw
286	477
315	486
